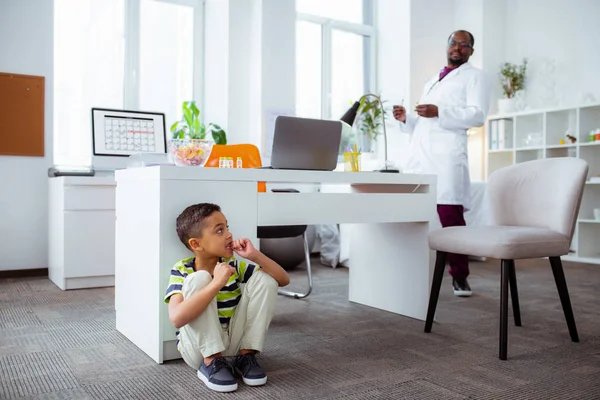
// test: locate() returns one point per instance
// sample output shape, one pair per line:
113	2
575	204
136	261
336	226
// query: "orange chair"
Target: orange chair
251	159
248	152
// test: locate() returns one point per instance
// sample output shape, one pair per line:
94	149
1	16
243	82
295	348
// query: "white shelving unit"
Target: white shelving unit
531	135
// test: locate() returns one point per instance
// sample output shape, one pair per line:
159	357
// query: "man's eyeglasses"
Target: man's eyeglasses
462	45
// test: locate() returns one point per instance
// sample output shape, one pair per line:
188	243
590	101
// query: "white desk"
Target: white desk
81	231
391	262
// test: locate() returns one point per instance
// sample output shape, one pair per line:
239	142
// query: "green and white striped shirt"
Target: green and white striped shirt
228	297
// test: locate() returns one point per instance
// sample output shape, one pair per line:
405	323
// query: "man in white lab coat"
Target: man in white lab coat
453	101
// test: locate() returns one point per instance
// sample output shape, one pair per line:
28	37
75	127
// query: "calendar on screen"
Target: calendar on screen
123	133
129	134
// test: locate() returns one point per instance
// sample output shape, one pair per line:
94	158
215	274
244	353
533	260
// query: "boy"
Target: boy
216	317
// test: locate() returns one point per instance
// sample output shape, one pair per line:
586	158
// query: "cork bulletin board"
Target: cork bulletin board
21	115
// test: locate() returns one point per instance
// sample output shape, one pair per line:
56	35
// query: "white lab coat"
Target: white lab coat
439	145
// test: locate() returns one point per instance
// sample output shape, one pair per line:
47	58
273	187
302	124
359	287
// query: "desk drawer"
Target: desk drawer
95	197
331	208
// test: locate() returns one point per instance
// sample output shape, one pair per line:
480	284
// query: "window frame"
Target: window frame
131	84
131	65
328	25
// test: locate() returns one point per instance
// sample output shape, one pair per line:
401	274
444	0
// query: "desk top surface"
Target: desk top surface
271	175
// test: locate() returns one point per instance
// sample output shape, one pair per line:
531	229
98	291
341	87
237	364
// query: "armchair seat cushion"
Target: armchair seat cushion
502	242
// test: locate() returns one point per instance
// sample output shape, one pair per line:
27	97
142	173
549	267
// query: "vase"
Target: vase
366	143
506	106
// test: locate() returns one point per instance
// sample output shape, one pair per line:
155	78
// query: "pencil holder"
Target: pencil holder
352	161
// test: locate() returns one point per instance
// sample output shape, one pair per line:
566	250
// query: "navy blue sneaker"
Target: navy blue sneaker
252	373
218	375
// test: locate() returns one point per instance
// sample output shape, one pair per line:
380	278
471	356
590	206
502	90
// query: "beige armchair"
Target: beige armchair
534	207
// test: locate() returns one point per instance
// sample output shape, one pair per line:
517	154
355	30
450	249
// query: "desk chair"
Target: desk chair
251	159
534	206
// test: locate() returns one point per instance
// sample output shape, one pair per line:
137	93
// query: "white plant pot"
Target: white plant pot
506	106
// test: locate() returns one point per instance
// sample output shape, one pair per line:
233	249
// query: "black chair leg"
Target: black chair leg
504	278
563	293
436	284
514	294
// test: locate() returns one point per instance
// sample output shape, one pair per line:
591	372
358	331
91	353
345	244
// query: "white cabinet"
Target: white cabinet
82	231
531	135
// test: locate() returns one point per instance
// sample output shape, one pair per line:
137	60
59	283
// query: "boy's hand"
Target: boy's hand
244	248
222	273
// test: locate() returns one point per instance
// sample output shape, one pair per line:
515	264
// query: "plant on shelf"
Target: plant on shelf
191	127
513	78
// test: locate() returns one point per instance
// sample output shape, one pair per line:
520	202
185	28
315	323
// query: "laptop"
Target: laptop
305	144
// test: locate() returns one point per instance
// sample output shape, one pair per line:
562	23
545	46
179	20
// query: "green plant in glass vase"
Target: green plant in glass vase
370	120
513	78
192	127
189	145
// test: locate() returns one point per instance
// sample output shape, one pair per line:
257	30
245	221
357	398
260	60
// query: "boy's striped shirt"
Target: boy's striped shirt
228	297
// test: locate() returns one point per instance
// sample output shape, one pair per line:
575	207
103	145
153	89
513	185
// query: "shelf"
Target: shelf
596	143
537	134
586	108
531	148
559	124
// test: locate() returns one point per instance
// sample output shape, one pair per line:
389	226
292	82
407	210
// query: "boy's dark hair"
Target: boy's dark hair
191	221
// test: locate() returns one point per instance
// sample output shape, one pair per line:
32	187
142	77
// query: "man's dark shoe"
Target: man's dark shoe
218	375
461	287
252	373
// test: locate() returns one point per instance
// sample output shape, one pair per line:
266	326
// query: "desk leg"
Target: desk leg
391	267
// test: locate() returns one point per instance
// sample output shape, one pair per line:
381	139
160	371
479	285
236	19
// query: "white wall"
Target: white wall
216	63
392	18
567	31
26	32
431	23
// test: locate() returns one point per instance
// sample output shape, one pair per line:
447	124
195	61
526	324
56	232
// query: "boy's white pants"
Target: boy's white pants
247	329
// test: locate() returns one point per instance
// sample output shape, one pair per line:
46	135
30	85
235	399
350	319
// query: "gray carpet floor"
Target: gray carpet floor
64	345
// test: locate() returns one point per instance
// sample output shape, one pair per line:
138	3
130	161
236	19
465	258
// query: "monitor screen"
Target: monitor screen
122	133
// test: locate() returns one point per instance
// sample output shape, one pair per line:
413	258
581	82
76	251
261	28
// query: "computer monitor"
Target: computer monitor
117	134
306	144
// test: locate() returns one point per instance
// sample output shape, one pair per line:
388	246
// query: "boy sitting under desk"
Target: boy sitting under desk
215	315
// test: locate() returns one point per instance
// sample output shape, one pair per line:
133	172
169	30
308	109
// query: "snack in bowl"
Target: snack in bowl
190	152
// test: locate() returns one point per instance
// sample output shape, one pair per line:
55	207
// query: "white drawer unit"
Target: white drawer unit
81	231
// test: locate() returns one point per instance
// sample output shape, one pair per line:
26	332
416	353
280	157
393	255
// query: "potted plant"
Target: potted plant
370	121
513	81
189	145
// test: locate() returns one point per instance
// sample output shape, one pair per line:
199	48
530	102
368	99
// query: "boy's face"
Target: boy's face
215	239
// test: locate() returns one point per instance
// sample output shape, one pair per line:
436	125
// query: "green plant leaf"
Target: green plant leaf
513	77
189	117
218	134
174	126
194	108
179	134
196	130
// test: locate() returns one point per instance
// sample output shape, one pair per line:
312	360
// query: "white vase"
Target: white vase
506	106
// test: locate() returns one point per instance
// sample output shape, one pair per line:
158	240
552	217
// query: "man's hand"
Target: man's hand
244	248
222	273
427	110
400	113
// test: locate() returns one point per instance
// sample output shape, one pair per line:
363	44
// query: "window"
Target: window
335	57
122	54
341	10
